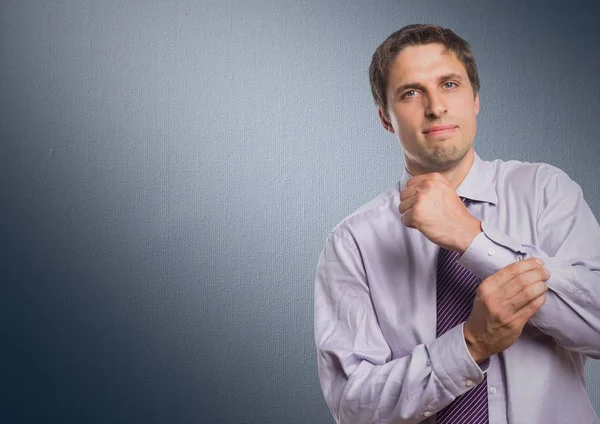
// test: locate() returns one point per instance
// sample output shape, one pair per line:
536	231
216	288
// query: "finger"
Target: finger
529	310
434	176
409	192
529	293
407	204
524	280
420	187
511	271
407	219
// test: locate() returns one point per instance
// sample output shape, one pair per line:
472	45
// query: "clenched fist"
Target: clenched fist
430	204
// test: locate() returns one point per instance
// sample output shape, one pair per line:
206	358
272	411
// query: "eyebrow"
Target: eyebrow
446	77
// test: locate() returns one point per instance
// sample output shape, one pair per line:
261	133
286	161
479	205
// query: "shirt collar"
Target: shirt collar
476	186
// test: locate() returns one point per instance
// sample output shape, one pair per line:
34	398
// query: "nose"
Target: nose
435	106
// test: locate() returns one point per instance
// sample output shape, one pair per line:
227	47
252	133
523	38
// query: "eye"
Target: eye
452	84
409	95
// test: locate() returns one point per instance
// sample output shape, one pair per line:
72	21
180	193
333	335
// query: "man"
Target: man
469	292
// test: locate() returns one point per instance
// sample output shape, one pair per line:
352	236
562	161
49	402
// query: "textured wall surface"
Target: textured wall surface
169	171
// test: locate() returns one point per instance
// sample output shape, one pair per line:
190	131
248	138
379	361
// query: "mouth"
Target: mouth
439	130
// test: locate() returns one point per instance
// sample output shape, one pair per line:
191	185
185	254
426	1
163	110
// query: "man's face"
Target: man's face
428	87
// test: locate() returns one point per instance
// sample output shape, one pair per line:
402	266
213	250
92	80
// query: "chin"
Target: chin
445	158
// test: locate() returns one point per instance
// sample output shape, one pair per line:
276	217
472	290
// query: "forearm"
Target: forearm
404	390
571	314
360	380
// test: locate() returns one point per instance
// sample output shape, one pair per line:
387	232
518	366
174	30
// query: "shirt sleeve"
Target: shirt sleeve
360	380
568	240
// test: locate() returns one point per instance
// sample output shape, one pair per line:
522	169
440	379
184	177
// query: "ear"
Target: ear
387	125
476	104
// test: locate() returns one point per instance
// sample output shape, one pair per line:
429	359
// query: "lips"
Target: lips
439	129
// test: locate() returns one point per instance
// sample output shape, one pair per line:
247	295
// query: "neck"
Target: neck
455	174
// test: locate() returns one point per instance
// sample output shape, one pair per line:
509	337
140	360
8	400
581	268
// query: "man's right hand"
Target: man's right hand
503	304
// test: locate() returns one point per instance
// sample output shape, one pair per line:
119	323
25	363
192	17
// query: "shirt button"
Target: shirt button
427	414
492	390
491	251
468	383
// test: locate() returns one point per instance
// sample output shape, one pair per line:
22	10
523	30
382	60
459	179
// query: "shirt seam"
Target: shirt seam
358	213
347	243
544	185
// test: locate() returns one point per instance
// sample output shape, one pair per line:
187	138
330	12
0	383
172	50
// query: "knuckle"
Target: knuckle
521	267
512	270
531	292
541	287
484	290
416	215
537	303
535	289
521	280
534	307
524	266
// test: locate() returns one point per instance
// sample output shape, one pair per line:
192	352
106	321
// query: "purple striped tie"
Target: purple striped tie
455	294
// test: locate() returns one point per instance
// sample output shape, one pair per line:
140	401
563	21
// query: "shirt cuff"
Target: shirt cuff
490	251
453	364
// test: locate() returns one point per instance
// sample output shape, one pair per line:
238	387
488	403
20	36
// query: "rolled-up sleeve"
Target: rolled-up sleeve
360	381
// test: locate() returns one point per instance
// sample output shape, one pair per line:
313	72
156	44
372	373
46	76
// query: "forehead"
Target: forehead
424	63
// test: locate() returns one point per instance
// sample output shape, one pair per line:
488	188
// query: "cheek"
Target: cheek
406	120
469	115
472	118
470	126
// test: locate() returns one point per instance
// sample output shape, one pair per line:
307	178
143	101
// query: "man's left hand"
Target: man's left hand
430	204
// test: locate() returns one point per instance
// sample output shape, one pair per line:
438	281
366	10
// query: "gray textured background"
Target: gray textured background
169	171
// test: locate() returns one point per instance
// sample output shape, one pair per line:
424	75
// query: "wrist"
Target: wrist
476	352
472	230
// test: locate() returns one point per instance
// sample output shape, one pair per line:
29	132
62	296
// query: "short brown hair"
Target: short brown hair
415	35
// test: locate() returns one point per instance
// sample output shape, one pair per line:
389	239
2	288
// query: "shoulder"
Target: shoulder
534	186
371	215
521	175
516	169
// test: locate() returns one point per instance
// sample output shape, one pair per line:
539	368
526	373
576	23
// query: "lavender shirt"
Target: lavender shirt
375	308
